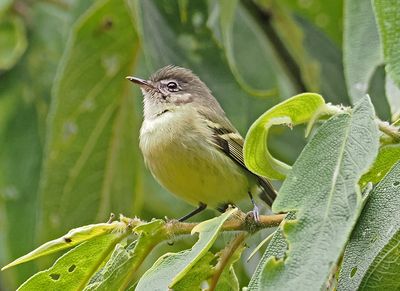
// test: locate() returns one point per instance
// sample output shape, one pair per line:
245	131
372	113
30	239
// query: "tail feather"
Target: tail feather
268	193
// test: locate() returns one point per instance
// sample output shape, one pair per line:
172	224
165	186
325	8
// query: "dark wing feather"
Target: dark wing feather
229	141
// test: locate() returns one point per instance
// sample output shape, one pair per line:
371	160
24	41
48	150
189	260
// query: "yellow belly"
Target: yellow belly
191	168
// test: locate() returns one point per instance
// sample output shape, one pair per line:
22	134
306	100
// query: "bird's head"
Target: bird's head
173	86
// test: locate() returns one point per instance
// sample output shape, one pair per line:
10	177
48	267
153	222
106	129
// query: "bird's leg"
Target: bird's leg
199	209
256	212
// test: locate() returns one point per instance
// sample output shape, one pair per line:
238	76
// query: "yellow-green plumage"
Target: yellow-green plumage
188	166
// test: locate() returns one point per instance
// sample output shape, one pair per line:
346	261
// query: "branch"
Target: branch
240	222
390	130
225	258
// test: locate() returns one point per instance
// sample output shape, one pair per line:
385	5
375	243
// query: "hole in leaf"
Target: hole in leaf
353	272
55	277
107	24
397	183
72	268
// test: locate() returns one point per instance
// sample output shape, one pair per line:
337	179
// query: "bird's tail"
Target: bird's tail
268	193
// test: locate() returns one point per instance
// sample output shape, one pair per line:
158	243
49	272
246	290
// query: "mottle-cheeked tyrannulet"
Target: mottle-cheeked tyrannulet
190	146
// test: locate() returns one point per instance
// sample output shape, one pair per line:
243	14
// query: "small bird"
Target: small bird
191	147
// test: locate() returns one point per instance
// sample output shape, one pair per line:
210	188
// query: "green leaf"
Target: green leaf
361	47
276	249
385	269
229	12
92	125
228	280
327	17
22	132
72	238
388	18
172	267
20	156
197	274
326	205
371	259
378	88
296	110
288	32
393	97
74	269
330	61
119	256
123	264
13	41
387	15
387	157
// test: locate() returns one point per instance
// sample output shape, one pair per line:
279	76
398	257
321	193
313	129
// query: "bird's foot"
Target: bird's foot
256	214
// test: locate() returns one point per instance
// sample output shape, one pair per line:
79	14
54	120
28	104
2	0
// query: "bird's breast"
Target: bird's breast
178	151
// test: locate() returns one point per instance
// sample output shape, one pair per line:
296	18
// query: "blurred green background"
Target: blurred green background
69	120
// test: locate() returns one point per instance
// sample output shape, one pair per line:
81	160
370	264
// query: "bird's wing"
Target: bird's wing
230	142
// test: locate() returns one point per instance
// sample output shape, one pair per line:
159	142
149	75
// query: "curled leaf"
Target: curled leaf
296	110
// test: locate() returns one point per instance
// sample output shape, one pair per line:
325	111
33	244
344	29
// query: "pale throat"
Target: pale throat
157	104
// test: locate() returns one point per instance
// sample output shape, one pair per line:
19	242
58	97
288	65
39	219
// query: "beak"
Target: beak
140	82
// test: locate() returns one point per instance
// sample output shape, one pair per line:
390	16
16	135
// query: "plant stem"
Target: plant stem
225	257
390	130
240	222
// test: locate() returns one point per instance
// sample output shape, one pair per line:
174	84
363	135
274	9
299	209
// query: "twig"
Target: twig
240	222
225	257
388	129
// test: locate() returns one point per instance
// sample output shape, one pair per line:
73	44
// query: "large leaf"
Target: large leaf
296	110
371	258
329	57
393	97
229	12
119	256
384	271
327	17
388	17
361	47
92	136
24	92
200	272
72	238
122	266
290	34
387	14
277	248
20	153
172	267
326	205
13	41
74	269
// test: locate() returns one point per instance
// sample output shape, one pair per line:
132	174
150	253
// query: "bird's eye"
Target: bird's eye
172	86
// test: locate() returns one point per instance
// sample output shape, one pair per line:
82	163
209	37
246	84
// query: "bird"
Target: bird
190	146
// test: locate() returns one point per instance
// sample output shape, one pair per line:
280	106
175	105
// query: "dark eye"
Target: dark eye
172	86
